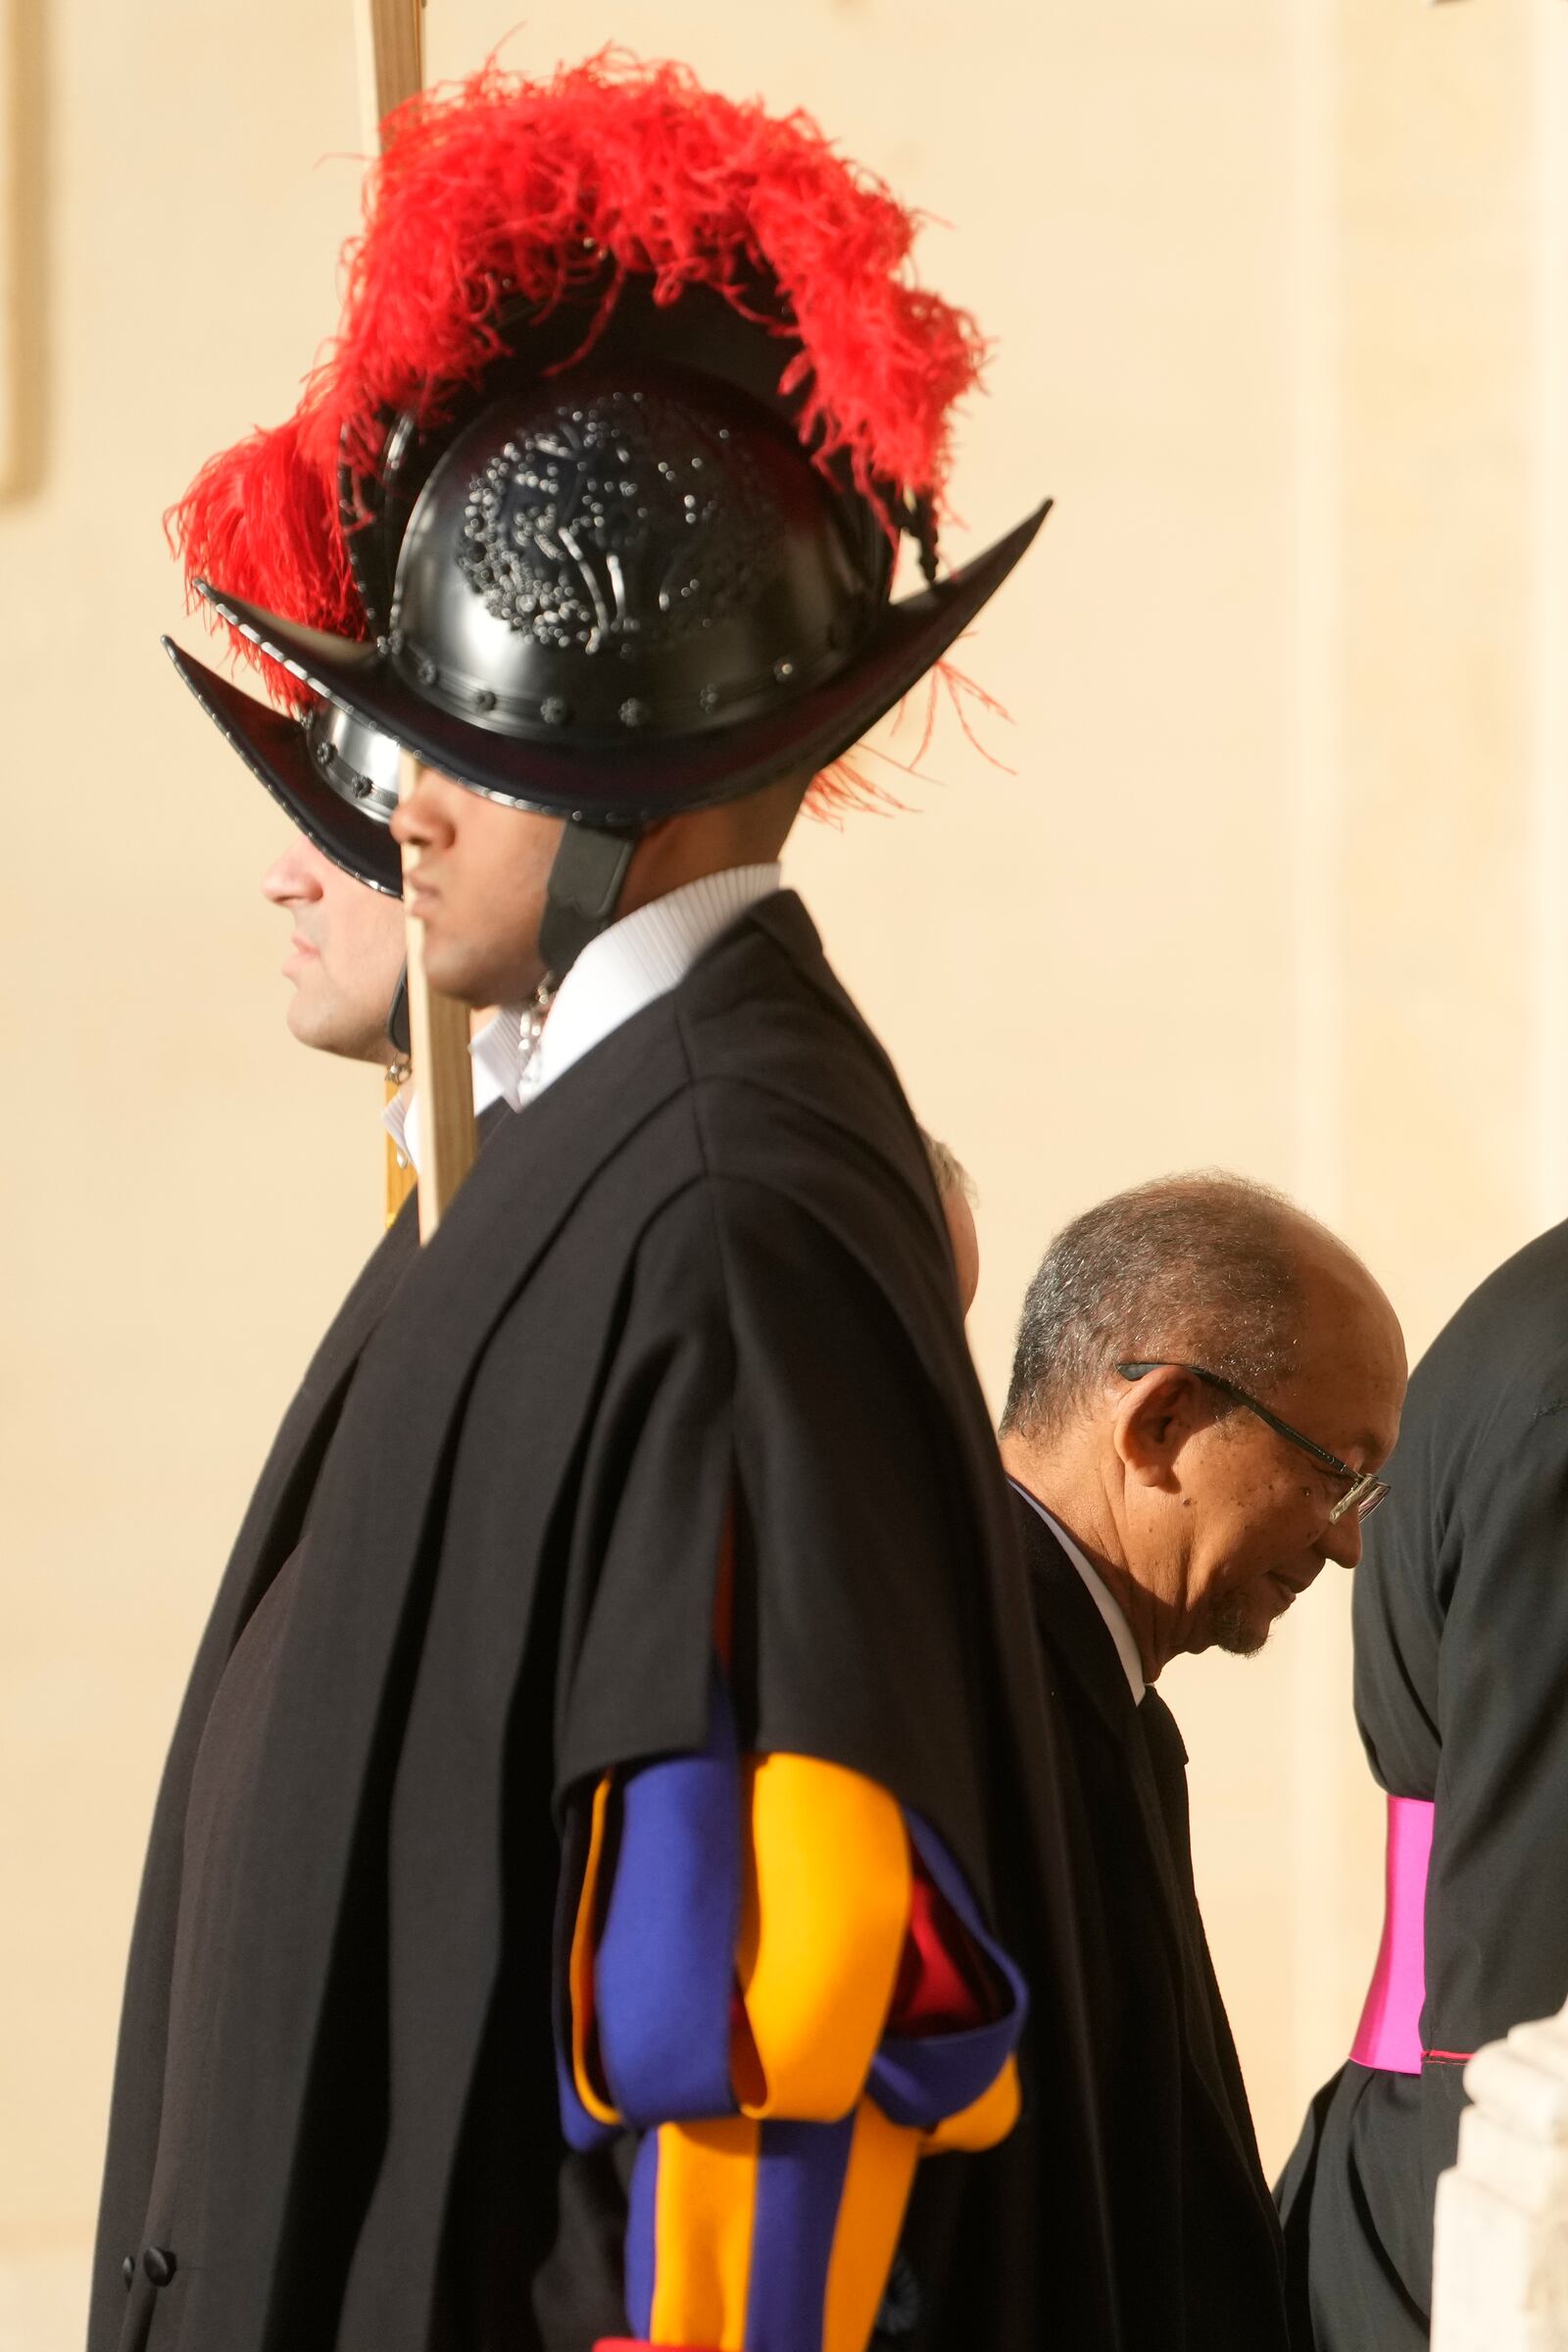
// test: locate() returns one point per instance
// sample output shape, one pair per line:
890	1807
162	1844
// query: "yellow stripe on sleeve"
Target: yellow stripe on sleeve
823	1916
986	2120
581	1966
704	2207
876	2189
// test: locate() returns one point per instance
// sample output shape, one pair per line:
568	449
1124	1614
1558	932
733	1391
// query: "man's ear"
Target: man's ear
1152	1422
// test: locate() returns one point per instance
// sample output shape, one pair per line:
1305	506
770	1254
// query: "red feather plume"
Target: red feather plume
499	188
261	520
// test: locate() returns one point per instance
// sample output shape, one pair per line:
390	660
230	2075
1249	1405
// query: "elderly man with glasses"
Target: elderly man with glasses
1206	1385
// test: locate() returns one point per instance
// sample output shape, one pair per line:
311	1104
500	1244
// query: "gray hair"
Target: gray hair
948	1168
1200	1270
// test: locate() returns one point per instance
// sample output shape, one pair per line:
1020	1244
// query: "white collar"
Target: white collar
636	961
401	1117
1099	1593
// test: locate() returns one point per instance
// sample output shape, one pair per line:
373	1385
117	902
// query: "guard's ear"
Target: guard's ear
1154	1420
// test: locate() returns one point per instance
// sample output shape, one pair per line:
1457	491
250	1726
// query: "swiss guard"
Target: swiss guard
335	778
611	1838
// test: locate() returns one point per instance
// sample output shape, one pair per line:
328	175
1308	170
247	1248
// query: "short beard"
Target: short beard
1232	1631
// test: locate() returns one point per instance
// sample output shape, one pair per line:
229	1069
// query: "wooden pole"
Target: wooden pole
391	45
443	1075
391	69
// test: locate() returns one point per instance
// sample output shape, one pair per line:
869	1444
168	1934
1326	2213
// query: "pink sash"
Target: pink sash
1389	2033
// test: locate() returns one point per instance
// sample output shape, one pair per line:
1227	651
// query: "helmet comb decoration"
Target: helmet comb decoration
607	524
649	557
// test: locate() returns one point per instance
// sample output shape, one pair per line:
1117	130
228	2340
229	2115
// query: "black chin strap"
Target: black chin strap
583	893
397	1020
581	901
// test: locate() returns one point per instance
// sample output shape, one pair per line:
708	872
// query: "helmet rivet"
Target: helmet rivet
554	711
707	698
633	712
426	670
784	670
483	699
362	789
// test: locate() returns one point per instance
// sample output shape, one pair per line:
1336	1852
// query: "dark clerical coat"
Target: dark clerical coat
1461	1651
1193	2245
694	1303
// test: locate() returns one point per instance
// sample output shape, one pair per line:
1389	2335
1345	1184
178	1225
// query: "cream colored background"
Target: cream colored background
1279	292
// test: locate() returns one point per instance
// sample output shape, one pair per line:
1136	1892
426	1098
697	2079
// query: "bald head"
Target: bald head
1206	1269
1205	1512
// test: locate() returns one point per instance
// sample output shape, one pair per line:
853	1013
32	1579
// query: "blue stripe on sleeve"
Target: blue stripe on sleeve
920	2082
799	2184
666	1954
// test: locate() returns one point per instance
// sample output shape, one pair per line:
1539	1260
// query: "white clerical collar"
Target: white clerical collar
401	1117
637	959
1099	1593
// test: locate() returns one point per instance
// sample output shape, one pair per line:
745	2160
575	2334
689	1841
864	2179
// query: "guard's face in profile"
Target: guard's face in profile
344	955
478	886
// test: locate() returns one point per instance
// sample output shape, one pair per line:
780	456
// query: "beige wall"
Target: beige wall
1279	291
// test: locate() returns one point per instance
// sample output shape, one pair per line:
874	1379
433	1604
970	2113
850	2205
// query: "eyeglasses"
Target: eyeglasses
1365	1490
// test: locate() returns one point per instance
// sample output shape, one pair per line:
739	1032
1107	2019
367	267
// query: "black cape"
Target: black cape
1461	1637
1194	2242
268	1535
707	1268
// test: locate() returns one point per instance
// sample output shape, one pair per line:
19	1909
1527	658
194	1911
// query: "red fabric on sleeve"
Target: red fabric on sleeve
943	1985
640	2343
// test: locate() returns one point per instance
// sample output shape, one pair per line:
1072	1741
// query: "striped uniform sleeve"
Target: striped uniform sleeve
777	1978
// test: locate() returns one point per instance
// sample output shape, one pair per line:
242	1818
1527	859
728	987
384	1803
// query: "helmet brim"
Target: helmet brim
274	748
637	778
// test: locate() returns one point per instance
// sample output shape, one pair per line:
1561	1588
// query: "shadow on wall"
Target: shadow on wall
25	355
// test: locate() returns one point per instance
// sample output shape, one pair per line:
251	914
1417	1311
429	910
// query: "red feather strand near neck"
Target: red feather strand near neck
499	188
845	786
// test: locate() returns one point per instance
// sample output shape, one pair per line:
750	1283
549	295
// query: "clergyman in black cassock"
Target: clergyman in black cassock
1192	2238
1197	2258
1461	1647
1164	1506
